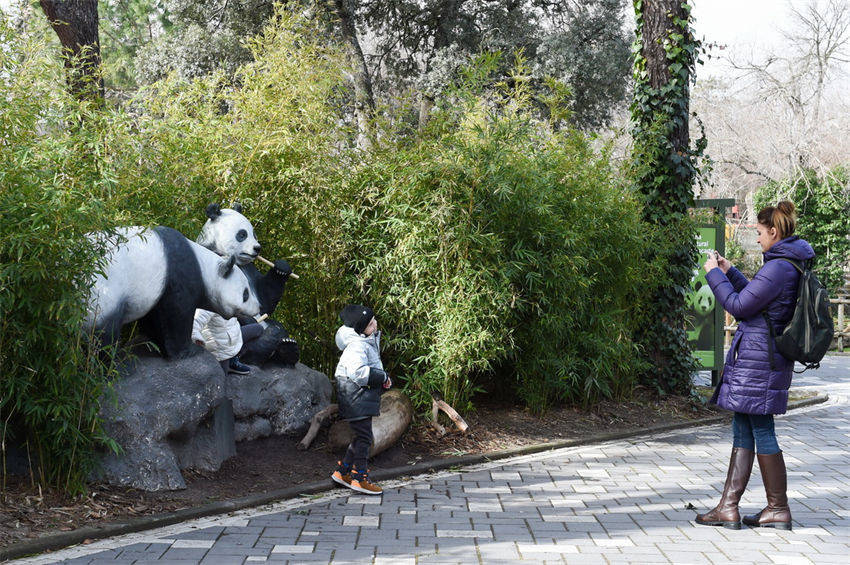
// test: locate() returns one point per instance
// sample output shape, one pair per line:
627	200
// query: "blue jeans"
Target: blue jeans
751	430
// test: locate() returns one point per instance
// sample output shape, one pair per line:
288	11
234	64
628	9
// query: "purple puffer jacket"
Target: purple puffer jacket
749	385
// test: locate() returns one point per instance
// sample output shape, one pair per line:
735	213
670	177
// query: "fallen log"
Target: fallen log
396	415
315	425
438	404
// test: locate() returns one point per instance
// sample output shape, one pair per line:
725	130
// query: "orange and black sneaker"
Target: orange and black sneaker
342	475
360	483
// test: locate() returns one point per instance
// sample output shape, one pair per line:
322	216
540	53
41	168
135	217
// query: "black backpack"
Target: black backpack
808	335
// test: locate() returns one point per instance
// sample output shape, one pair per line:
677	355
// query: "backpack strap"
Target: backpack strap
799	265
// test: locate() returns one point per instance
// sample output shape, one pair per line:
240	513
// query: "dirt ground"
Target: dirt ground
270	464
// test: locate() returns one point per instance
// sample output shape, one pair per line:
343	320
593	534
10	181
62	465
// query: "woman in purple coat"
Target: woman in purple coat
756	377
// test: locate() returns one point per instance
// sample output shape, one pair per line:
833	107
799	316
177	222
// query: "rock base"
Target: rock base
166	416
169	415
277	400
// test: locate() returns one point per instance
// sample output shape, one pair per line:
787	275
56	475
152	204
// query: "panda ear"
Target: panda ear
237	206
225	266
213	211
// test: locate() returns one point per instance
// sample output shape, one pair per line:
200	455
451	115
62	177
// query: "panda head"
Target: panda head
229	233
230	293
703	301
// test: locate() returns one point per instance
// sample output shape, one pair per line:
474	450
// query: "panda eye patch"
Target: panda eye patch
241	235
245	295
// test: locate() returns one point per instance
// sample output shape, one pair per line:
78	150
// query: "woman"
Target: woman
756	377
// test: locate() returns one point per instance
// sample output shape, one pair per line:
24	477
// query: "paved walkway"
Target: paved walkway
626	501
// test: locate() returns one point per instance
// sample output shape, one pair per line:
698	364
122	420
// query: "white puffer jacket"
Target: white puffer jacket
222	338
359	354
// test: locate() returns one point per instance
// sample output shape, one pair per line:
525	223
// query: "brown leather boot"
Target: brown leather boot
726	512
776	514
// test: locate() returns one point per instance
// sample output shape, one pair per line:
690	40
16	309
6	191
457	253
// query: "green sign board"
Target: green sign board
705	315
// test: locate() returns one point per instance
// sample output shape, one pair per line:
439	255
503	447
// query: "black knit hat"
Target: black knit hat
357	316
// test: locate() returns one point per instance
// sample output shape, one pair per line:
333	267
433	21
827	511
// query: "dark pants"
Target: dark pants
358	449
249	332
754	430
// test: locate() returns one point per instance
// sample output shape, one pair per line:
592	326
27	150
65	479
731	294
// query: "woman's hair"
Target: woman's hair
783	217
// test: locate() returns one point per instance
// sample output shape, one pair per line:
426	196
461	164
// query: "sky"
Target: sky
744	27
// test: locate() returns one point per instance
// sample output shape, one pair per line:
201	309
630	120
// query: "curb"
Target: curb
59	540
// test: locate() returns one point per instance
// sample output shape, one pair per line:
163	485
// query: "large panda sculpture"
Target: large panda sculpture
160	277
228	233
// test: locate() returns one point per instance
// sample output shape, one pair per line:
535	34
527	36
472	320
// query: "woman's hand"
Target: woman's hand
388	383
710	263
723	263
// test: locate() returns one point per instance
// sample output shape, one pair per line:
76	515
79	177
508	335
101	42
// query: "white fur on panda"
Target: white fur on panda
135	278
224	234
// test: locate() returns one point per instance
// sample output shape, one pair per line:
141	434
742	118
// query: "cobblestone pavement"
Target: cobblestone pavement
626	501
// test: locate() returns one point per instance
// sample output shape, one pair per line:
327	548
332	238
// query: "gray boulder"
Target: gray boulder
277	400
167	415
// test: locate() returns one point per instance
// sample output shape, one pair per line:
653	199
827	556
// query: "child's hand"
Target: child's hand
388	383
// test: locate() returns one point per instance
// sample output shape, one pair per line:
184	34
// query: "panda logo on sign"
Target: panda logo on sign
159	277
228	232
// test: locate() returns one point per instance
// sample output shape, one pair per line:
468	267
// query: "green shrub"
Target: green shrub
50	185
823	209
747	263
498	251
502	253
274	141
489	241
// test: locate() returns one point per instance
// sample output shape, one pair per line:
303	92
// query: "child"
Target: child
360	380
223	338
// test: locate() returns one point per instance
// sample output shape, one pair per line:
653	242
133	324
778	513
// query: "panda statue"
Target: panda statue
228	232
160	277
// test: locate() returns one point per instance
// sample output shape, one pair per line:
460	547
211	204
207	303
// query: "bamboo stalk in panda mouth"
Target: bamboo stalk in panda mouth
270	264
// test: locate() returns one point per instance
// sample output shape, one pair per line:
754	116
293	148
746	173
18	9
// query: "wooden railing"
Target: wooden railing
842	328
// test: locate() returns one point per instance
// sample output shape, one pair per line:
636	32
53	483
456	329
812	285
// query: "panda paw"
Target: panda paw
281	267
287	351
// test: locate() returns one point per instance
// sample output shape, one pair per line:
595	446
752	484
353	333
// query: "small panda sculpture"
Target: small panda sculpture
160	277
228	232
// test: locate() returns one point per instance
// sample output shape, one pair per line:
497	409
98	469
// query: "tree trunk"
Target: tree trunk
658	25
426	102
364	99
396	415
76	24
667	167
446	20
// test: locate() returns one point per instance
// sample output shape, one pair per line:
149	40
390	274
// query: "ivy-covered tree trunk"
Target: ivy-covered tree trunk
76	25
664	57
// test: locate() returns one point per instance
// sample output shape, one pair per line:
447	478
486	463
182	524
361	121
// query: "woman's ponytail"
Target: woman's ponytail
783	217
